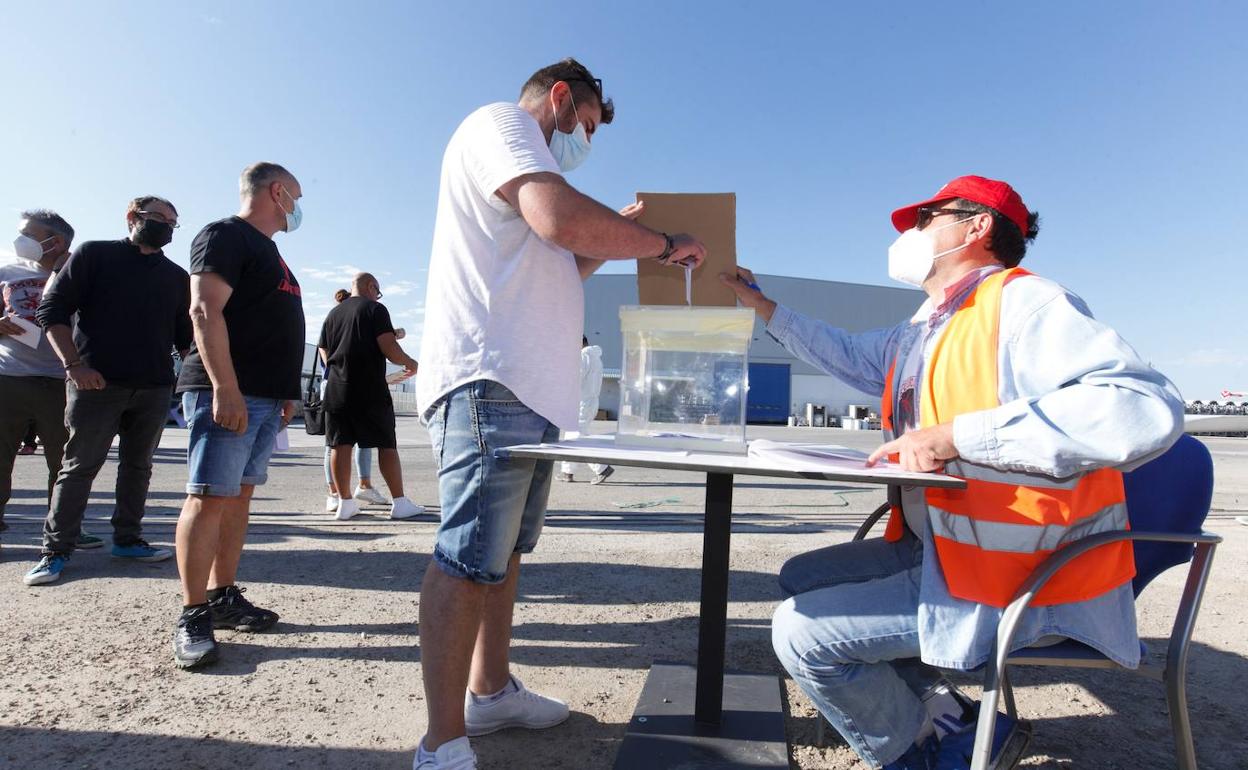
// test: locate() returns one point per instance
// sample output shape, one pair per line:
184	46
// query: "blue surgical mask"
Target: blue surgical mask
293	218
569	149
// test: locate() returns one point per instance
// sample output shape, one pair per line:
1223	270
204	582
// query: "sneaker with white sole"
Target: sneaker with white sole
372	496
141	551
331	503
405	509
452	755
517	707
48	570
346	509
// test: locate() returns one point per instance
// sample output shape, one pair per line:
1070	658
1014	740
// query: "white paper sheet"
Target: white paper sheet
30	336
801	456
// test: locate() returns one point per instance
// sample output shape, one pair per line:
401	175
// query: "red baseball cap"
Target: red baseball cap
989	192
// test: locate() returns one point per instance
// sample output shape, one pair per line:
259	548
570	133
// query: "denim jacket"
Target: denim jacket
1074	397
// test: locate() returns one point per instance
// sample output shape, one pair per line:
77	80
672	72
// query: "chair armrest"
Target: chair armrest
866	526
1049	567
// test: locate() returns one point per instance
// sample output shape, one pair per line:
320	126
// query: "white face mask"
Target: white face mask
570	149
28	248
912	255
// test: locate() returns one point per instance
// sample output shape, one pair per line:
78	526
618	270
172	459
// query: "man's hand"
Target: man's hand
8	328
687	251
633	210
288	412
410	366
923	450
229	410
85	378
748	293
400	333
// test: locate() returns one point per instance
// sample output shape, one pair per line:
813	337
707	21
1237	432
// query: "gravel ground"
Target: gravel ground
88	680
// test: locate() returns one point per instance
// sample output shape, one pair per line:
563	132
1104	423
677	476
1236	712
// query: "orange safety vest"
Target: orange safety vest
990	536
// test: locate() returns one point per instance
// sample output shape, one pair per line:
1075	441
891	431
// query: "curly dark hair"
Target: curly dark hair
582	82
1007	243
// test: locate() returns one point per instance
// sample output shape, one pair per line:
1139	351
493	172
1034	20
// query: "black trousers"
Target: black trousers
137	417
22	400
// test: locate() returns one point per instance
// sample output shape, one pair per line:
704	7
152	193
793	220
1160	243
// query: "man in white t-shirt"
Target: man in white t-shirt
500	366
32	379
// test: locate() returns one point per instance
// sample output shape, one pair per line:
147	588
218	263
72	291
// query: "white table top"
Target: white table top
603	449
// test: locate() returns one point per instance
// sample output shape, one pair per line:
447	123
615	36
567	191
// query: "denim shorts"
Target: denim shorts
220	461
491	508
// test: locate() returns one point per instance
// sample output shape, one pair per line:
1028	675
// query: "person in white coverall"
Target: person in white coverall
591	388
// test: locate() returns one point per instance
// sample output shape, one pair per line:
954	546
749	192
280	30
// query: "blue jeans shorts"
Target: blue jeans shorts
491	508
220	461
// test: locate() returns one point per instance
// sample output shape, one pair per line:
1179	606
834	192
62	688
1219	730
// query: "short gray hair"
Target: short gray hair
53	221
260	175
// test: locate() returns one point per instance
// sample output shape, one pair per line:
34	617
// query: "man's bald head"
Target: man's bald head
365	285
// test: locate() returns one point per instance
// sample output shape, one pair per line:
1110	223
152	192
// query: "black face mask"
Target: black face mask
153	234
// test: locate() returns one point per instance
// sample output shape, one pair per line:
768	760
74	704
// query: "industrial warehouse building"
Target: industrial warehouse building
780	384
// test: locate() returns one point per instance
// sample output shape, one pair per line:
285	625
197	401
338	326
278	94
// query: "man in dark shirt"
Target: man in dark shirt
239	386
355	343
132	304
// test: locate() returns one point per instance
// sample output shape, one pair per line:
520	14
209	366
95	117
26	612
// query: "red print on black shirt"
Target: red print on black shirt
288	284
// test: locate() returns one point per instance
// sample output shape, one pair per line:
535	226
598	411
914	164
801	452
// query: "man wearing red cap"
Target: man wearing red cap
1004	379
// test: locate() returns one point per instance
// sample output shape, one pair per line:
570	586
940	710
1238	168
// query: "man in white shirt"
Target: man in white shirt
499	367
32	378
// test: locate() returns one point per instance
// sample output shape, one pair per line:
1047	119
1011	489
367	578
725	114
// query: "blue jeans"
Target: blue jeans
849	637
220	461
363	464
491	508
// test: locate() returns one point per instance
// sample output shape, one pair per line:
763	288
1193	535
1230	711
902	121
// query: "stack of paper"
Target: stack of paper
806	456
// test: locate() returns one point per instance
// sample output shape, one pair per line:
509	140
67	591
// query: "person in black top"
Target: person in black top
132	307
239	386
355	343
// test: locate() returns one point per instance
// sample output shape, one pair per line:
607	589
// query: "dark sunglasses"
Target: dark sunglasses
927	213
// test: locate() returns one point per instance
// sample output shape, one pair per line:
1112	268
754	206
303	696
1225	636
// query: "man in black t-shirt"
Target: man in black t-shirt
355	343
114	313
239	386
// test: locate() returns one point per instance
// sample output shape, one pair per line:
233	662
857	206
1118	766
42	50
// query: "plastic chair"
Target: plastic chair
1167	501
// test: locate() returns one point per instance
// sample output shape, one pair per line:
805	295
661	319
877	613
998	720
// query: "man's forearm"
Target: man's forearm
393	352
582	225
212	339
62	340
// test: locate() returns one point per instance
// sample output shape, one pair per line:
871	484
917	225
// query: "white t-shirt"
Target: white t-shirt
21	289
502	303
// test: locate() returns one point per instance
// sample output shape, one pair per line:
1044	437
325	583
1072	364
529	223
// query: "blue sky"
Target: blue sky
1116	120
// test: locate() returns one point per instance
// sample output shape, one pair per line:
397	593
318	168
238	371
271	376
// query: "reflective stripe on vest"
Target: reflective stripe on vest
991	535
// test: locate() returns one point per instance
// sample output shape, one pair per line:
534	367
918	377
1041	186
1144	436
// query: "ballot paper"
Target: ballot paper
797	456
31	333
688	285
395	378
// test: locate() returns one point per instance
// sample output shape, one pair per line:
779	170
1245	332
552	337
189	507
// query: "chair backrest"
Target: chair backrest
1170	493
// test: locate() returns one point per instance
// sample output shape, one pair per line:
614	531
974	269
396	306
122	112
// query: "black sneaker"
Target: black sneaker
193	642
232	610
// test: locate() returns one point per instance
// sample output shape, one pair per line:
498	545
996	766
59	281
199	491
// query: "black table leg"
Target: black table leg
713	617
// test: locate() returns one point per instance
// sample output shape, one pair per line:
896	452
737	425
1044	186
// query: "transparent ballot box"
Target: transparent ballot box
685	376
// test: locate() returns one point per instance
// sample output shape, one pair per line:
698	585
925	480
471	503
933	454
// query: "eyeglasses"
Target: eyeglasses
928	213
159	218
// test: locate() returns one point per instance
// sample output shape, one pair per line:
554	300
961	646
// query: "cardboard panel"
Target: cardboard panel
712	218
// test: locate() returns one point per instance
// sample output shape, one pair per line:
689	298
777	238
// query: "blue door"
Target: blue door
768	398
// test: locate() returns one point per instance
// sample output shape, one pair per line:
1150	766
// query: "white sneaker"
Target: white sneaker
405	509
331	503
371	495
452	755
519	708
346	509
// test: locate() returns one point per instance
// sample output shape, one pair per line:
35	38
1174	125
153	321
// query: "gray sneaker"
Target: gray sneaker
193	643
88	540
601	477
